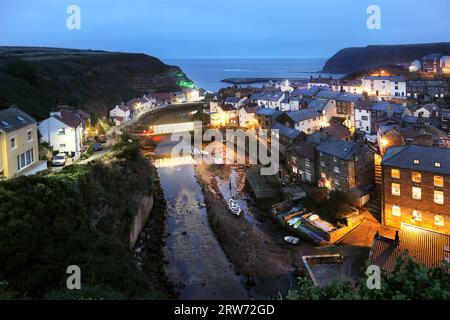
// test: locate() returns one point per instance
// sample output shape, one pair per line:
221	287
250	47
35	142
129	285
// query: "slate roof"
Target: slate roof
317	104
286	131
383	106
257	96
329	95
349	97
410	119
338	148
231	100
302	148
228	107
302	114
305	92
69	119
426	247
388	78
268	112
404	156
14	118
271	96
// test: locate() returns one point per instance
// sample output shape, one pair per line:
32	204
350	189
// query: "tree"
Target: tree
409	280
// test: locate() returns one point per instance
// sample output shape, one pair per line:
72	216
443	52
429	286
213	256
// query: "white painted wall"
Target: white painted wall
362	120
70	141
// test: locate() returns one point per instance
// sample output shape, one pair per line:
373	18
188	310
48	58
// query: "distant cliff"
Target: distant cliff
38	79
362	58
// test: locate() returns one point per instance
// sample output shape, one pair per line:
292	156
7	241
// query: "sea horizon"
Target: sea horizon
208	73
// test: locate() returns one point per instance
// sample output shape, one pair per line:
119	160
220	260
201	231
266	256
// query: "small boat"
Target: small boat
293	221
196	151
297	224
234	207
292	240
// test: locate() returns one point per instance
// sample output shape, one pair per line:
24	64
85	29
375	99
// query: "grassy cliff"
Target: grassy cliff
38	79
356	59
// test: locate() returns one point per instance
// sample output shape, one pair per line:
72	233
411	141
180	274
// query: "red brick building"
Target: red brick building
416	187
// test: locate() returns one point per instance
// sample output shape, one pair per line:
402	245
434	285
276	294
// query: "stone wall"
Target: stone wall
140	219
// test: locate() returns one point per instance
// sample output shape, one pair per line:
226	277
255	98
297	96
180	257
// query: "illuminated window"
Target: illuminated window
416	177
417	193
437	164
395	173
439	220
438	197
396	211
336	169
417	162
396	189
417	216
439	181
323	175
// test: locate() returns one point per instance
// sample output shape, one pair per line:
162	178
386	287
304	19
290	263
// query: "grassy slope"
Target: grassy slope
38	79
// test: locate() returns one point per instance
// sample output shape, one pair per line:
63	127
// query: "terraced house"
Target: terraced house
344	165
416	187
19	142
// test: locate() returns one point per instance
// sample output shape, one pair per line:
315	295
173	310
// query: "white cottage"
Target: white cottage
120	115
63	131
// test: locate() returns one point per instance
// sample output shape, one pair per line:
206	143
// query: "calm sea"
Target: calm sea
208	73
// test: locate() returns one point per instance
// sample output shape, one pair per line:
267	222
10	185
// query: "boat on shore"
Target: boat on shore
234	207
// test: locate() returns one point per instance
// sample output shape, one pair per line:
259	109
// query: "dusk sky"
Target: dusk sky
222	29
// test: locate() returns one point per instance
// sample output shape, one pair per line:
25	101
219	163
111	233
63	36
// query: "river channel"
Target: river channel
196	264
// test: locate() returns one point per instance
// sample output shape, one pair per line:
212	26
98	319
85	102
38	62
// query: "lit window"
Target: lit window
439	220
417	193
323	175
417	162
322	164
437	164
395	173
61	131
438	197
13	143
417	216
396	211
416	177
336	169
396	189
439	181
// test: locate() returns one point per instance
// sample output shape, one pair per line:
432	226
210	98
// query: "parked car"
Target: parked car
100	138
97	147
59	160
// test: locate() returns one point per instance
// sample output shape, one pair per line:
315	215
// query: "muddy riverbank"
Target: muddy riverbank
253	244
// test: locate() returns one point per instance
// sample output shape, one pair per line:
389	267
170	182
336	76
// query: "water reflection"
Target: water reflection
196	263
